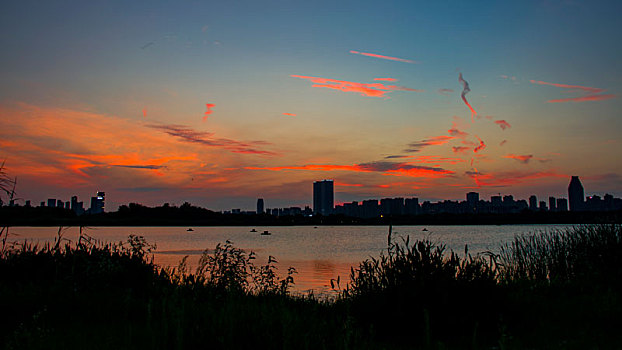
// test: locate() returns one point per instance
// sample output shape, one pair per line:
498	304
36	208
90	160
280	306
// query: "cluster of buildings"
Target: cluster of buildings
97	204
323	204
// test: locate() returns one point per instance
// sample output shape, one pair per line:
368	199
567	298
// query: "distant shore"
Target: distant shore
193	216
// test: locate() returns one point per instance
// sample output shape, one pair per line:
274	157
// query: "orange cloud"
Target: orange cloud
433	141
387	168
383	57
521	158
144	112
583	98
454	131
574	87
370	90
503	124
460	149
592	94
343	184
208	111
386	79
503	179
207	139
481	145
290	114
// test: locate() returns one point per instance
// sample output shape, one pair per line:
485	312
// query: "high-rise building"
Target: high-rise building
552	204
562	204
412	206
323	197
98	203
260	206
472	199
575	194
533	203
51	202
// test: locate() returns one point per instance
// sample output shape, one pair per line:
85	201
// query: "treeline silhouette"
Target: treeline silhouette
553	290
186	214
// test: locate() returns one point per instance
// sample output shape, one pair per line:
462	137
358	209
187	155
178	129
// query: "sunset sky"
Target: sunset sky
219	103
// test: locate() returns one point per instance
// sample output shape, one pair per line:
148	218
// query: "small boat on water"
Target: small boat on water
253	230
190	229
424	229
266	233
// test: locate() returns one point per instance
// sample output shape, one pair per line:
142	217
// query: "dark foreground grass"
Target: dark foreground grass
556	290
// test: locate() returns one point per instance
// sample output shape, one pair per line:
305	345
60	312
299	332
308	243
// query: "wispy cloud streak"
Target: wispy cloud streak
387	168
465	90
521	158
208	111
503	124
433	141
591	93
370	89
187	134
382	57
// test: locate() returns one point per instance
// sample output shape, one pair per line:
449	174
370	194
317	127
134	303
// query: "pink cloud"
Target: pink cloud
583	98
521	158
290	114
503	124
480	147
382	56
386	168
574	87
454	131
460	149
433	141
591	93
144	112
208	111
207	139
370	90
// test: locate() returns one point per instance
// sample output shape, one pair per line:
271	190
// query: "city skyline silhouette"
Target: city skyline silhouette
178	103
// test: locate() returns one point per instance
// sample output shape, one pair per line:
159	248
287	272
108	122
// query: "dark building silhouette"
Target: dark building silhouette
533	203
472	199
323	197
51	202
552	204
77	207
98	203
562	204
260	206
575	194
411	206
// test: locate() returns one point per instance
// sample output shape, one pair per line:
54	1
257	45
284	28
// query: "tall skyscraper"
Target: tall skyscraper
552	204
323	197
98	203
472	199
260	206
575	194
533	203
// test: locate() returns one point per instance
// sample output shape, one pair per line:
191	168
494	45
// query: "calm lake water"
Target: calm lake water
318	254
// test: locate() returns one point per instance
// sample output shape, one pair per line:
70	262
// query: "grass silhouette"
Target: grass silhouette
556	289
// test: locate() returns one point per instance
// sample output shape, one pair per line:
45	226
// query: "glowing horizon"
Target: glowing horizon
174	103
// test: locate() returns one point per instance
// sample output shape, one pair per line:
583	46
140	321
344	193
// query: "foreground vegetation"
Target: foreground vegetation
558	289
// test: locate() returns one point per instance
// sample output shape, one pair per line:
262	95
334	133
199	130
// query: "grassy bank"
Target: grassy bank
559	289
